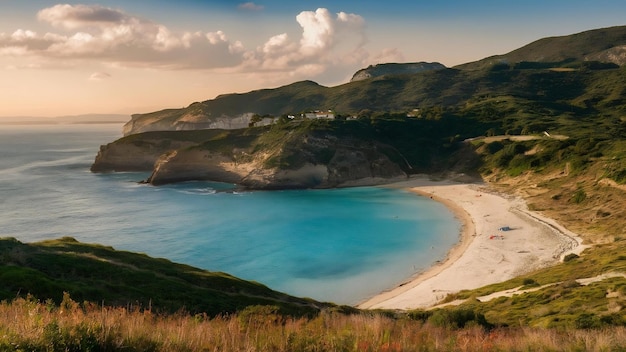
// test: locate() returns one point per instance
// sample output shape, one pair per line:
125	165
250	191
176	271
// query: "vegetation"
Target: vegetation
94	273
552	131
28	325
571	295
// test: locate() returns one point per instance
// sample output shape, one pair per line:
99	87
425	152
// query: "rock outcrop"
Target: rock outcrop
173	120
323	163
292	161
395	69
138	155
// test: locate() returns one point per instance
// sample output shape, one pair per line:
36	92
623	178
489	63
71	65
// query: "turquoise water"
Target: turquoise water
340	245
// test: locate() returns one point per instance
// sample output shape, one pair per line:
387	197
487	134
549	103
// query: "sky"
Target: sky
136	56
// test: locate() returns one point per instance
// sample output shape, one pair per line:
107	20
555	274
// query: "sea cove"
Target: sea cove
340	245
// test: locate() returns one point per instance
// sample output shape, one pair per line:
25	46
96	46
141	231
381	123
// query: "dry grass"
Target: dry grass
599	218
27	325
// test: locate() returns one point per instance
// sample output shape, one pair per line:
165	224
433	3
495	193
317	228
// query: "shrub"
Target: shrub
259	315
458	318
528	282
419	315
570	257
518	165
579	196
587	321
495	147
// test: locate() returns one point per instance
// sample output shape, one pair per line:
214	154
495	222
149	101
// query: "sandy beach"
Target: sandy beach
485	254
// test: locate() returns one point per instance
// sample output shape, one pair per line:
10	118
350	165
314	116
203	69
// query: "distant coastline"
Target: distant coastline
65	120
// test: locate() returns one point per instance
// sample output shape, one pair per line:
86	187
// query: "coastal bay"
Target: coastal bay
340	245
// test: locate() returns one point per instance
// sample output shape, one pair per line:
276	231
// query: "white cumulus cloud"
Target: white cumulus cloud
94	33
76	16
317	31
326	40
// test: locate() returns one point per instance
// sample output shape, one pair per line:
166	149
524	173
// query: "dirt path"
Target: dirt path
518	290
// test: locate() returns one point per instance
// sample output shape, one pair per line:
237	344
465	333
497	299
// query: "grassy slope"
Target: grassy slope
572	181
560	51
101	274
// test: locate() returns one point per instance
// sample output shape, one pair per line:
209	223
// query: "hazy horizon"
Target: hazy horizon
125	57
65	119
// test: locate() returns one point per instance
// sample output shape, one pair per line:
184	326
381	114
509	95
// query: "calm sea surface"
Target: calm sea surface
341	245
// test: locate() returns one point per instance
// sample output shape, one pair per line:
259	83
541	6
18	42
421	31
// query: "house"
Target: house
319	115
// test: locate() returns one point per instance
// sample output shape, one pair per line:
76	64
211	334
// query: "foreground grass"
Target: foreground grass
29	325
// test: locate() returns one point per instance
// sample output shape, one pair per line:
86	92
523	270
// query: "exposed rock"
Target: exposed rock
133	155
294	162
193	164
616	55
169	120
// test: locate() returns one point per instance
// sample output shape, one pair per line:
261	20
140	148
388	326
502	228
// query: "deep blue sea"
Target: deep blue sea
340	245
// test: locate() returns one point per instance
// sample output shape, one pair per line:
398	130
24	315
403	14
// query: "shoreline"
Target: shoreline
484	255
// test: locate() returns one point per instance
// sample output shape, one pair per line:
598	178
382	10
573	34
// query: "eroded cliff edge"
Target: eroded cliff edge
302	155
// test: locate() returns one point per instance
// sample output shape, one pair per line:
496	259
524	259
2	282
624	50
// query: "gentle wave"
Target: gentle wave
77	161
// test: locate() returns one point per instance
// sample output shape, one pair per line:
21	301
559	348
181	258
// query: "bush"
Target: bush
587	321
579	196
570	257
518	165
458	318
259	315
528	282
420	315
495	147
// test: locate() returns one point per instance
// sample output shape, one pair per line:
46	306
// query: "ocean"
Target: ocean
338	245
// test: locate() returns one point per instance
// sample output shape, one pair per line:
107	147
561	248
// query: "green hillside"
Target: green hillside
559	92
603	45
572	74
98	274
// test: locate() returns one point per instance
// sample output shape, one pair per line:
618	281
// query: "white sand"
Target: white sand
484	254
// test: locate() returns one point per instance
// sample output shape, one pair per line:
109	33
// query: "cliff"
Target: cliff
297	154
301	154
258	171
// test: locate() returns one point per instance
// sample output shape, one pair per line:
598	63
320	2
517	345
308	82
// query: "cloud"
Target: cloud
76	16
326	39
99	76
317	31
250	6
93	33
111	36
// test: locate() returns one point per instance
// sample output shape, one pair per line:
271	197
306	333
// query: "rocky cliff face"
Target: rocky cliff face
137	155
174	120
322	163
312	161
